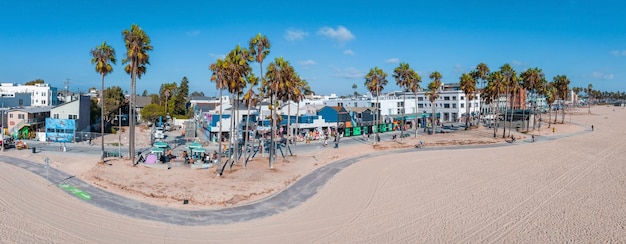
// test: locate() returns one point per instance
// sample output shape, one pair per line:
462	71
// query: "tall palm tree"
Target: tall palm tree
102	57
220	77
482	72
531	79
375	81
238	70
259	48
138	45
433	95
562	87
250	99
468	86
495	87
551	97
514	91
589	94
277	81
406	78
509	76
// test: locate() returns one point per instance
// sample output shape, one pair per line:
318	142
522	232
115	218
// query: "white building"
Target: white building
451	104
41	94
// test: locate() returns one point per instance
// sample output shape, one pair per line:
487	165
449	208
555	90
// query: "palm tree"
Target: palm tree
433	94
251	99
259	48
514	91
276	83
102	57
577	90
238	69
482	72
531	79
562	87
495	87
468	86
355	92
137	44
406	78
589	94
551	96
220	77
509	76
375	81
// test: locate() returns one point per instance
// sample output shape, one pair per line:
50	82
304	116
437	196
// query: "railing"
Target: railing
17	127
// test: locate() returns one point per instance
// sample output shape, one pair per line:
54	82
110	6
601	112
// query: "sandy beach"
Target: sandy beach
568	186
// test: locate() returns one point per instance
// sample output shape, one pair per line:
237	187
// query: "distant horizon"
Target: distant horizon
586	41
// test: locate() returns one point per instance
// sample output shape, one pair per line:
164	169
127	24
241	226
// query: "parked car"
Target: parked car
159	133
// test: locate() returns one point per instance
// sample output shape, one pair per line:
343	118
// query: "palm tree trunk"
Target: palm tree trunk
506	106
288	122
295	141
233	129
102	119
131	115
272	136
512	110
377	117
416	113
247	135
496	119
219	137
403	116
433	119
467	112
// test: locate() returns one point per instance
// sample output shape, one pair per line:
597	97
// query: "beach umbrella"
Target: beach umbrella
193	146
197	152
160	144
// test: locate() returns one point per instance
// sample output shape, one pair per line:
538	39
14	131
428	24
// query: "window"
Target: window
462	105
10	116
340	104
400	104
56	116
446	98
20	116
43	101
72	116
454	98
446	105
462	97
454	105
400	111
420	99
420	105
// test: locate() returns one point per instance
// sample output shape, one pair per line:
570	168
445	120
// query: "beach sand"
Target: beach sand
567	190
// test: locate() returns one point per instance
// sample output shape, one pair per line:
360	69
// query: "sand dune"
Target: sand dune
571	189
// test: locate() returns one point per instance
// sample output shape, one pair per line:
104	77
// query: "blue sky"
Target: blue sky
331	44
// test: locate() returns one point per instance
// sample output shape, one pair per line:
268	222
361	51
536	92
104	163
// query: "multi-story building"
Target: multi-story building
450	106
40	94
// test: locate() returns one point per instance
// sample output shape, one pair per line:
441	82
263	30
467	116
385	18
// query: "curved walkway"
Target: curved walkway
289	198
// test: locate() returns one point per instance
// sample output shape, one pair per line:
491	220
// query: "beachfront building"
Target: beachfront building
41	94
450	106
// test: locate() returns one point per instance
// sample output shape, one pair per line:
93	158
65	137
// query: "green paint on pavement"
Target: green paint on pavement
77	192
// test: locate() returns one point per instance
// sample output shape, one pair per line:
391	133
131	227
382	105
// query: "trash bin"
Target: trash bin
34	149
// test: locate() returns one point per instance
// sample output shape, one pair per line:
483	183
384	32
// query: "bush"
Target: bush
113	130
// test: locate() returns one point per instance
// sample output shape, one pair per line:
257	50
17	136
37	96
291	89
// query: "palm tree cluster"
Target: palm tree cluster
504	83
137	44
280	84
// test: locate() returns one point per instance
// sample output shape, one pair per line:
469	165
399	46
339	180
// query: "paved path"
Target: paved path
289	198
